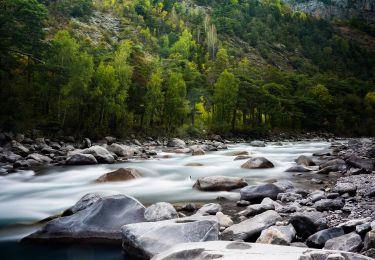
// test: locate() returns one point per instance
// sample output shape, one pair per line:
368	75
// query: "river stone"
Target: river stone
9	156
160	211
81	159
277	235
363	229
350	225
345	188
176	142
258	192
19	149
85	202
194	164
257	143
237	153
209	209
369	241
120	175
198	151
86	143
317	195
319	239
242	157
219	183
298	168
289	197
224	220
101	154
329	204
256	209
121	150
257	163
243	251
337	164
304	160
100	222
39	158
367	164
250	229
144	240
350	242
307	223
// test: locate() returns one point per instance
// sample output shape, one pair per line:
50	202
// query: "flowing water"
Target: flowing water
29	196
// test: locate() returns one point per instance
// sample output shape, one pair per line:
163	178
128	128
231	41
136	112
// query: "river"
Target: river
29	196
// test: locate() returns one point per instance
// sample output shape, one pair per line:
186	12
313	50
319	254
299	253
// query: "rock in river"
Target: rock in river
250	229
160	211
219	183
257	163
304	160
175	142
99	222
144	240
81	159
120	175
257	193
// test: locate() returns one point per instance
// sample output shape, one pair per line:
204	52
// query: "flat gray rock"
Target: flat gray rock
99	222
249	251
144	240
250	229
219	183
160	211
350	242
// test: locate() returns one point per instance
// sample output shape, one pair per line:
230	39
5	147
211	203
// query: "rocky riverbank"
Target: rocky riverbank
335	221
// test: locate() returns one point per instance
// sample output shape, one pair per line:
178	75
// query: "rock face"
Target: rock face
81	159
277	235
241	251
120	175
99	222
219	183
319	239
350	242
257	163
250	229
258	192
160	211
144	240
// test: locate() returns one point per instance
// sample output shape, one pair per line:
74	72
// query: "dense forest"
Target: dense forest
161	67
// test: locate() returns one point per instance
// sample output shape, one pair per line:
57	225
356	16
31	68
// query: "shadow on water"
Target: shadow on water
21	251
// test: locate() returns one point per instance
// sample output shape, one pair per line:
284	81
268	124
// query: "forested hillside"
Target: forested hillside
165	67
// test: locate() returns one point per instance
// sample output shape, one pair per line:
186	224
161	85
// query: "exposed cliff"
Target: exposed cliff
339	9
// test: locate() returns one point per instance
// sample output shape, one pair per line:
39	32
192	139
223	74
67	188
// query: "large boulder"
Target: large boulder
198	151
304	160
319	239
122	150
257	193
120	175
101	221
257	163
308	223
101	154
240	251
144	240
160	211
85	202
257	143
350	242
81	159
366	164
277	235
176	142
250	229
219	183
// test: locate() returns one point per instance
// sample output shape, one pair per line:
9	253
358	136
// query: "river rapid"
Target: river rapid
29	196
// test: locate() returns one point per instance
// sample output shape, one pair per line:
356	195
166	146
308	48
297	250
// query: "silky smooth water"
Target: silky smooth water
29	196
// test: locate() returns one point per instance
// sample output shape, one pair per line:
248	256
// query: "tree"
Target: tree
225	97
176	105
185	45
154	97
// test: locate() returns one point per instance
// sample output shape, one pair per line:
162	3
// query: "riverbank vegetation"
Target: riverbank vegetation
179	67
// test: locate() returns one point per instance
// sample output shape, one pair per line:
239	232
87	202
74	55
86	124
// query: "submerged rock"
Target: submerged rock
257	163
101	221
219	183
144	240
257	143
120	175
